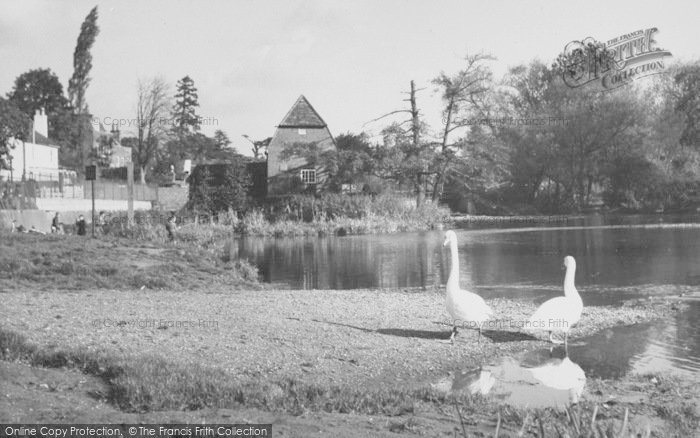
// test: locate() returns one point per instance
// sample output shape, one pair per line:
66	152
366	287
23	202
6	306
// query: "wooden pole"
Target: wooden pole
130	191
93	207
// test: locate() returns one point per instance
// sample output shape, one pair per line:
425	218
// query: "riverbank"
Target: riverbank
334	360
51	261
486	219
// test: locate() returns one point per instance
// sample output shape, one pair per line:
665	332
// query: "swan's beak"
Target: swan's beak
446	242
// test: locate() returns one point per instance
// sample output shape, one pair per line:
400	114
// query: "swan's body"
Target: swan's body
561	313
465	308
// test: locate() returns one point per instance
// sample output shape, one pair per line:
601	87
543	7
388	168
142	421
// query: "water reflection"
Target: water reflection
477	381
555	381
670	346
496	259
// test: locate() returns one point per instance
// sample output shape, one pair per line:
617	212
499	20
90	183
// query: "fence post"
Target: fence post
130	191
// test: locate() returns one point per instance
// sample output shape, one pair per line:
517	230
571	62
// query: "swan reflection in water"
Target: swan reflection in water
562	375
544	378
476	381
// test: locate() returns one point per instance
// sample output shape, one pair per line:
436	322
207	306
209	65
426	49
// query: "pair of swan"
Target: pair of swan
467	308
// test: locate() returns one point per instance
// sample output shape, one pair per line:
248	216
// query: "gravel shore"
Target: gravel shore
365	337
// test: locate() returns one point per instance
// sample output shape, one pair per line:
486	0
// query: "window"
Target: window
308	176
302	131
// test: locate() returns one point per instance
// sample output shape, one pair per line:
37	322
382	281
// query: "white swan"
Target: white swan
560	313
464	307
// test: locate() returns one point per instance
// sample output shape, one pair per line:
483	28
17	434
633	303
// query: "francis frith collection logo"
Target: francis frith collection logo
612	64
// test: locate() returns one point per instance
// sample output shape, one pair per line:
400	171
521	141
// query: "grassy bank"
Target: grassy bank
34	261
322	353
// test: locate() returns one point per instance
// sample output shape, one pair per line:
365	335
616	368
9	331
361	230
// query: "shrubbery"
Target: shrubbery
341	214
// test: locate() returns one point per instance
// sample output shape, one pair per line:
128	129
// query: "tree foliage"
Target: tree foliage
464	95
82	63
219	187
101	155
185	119
39	89
14	124
151	115
688	81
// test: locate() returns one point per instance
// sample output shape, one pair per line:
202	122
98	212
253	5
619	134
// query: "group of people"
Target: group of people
80	224
57	226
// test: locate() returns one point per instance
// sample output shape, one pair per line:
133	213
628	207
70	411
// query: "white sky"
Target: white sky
250	60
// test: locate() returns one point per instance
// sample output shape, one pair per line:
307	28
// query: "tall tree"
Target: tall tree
185	119
14	124
463	95
79	82
82	63
151	111
417	156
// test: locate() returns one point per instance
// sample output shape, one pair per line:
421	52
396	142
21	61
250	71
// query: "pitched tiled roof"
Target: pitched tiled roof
302	115
40	139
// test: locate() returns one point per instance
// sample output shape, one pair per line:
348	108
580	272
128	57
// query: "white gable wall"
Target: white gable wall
41	161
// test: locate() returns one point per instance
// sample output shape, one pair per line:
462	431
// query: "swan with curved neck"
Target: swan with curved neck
561	313
464	307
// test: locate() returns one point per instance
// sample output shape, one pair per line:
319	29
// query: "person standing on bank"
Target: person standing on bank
101	222
170	226
81	225
55	226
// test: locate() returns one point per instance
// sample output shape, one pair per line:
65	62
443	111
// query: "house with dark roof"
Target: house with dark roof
301	129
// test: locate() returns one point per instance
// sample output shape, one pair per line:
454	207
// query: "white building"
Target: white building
36	159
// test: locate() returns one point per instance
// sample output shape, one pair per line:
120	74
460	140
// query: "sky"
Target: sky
250	60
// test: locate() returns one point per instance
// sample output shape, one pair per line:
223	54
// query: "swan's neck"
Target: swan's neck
453	279
569	288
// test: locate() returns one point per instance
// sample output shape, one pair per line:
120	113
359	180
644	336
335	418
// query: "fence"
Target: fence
69	186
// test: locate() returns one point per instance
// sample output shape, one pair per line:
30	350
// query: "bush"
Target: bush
219	188
341	214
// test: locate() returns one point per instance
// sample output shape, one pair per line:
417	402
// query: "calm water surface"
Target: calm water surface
617	258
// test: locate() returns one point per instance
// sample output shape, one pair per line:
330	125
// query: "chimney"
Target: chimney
115	131
41	123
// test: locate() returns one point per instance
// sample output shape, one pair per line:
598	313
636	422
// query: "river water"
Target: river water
617	258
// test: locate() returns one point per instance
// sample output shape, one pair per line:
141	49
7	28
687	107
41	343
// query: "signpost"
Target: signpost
91	175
